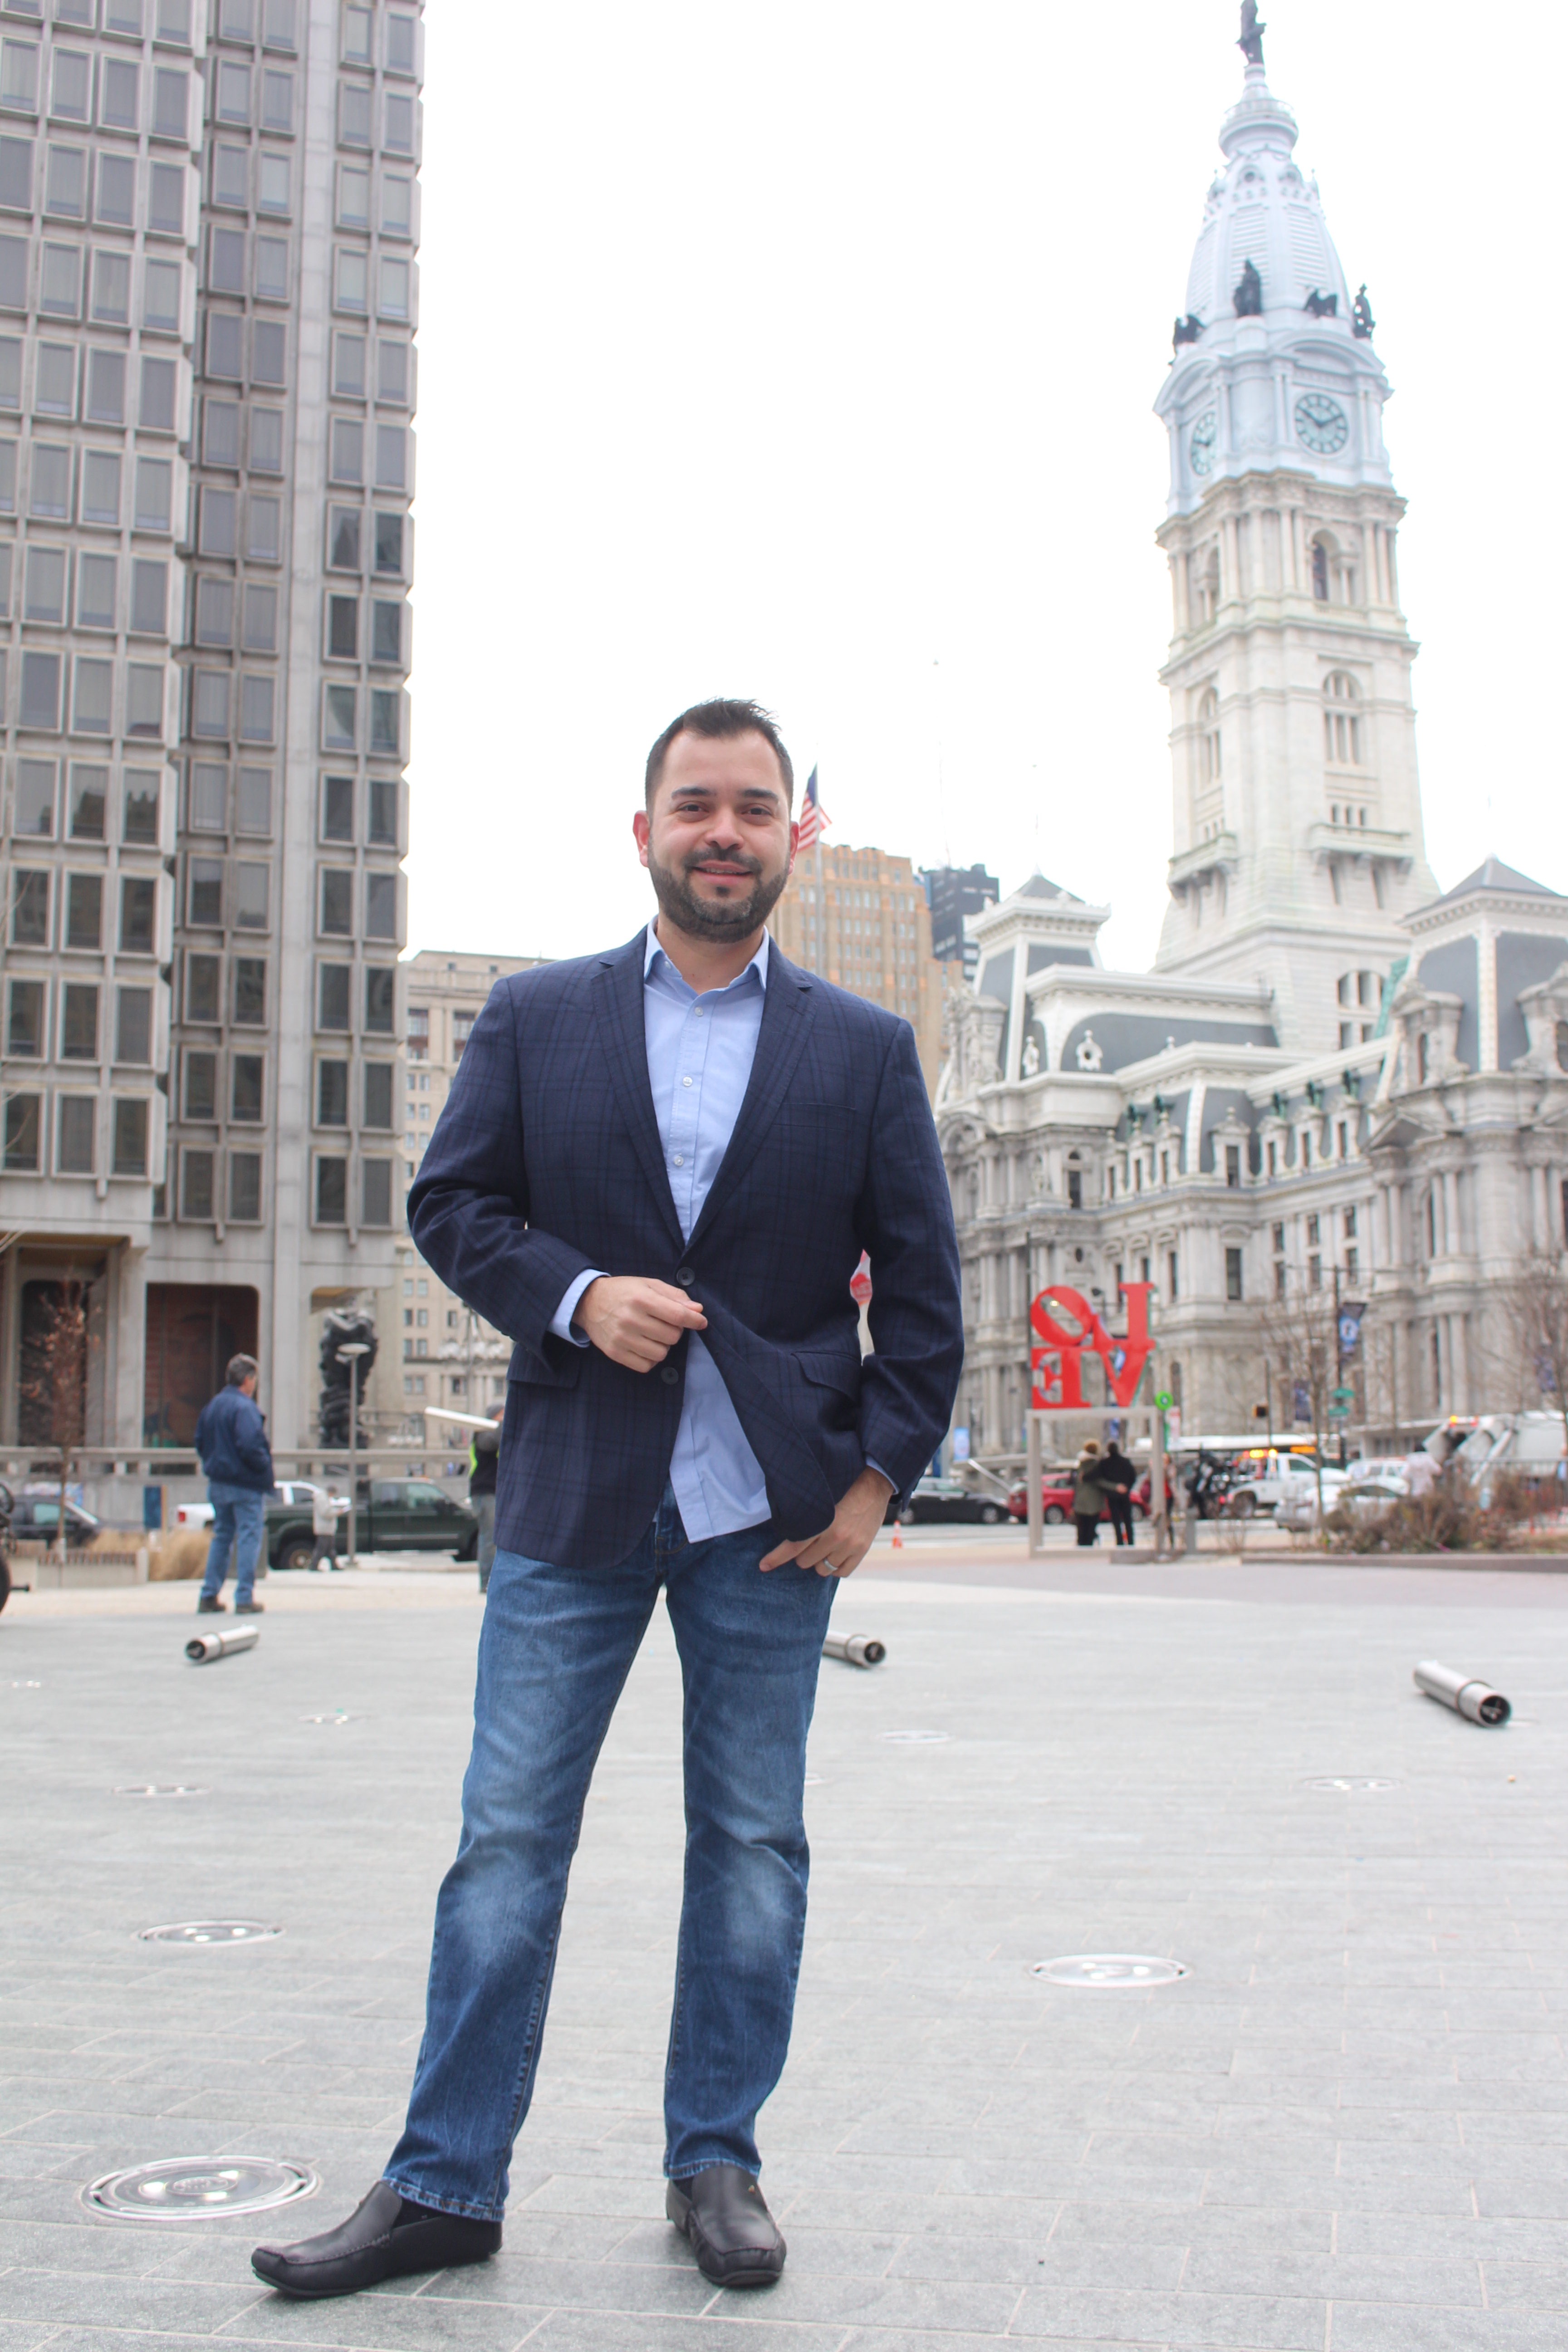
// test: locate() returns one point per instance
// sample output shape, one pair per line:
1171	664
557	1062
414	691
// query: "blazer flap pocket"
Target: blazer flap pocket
840	1372
560	1367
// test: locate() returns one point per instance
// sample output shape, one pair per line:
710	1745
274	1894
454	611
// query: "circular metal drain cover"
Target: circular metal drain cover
1352	1784
1110	1971
916	1739
157	1788
192	2187
210	1931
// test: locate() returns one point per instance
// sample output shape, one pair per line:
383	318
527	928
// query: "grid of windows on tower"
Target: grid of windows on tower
164	197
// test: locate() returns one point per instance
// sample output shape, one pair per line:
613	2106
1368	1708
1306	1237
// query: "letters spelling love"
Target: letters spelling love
1055	1365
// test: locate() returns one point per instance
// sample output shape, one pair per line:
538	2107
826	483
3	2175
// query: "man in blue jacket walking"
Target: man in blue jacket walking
231	1439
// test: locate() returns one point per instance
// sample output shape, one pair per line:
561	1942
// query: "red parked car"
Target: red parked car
1056	1493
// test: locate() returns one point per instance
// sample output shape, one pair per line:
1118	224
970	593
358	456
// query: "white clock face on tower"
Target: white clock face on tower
1201	447
1322	423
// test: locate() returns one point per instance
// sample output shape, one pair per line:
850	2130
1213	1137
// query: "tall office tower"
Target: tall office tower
952	893
866	928
210	251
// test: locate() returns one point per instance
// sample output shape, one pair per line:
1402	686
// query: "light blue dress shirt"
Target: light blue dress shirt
700	1054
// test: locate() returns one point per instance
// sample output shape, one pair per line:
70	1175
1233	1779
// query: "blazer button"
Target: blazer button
669	1375
685	1276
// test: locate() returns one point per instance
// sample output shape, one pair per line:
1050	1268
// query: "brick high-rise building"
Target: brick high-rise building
208	218
866	926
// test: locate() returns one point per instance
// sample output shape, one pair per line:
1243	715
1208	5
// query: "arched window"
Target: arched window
1209	749
1320	571
1358	991
1342	721
1423	1062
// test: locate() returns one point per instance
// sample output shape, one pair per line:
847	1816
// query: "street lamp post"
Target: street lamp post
349	1354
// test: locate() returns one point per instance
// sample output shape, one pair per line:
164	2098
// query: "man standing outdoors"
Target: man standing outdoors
656	1171
231	1439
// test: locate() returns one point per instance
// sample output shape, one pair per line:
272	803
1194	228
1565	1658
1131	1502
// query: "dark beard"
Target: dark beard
705	919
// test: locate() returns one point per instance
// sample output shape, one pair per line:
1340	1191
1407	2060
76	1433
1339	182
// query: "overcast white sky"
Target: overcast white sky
808	353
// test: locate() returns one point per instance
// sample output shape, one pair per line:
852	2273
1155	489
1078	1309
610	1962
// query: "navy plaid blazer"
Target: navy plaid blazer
546	1160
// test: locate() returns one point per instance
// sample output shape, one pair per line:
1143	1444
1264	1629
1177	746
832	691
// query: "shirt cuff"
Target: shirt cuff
561	1321
882	1474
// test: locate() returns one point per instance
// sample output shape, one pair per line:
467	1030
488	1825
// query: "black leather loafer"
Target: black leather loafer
375	2243
733	2236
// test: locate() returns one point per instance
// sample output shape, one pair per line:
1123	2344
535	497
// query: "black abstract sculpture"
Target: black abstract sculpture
1252	32
1248	295
344	1325
1361	321
1187	331
1323	306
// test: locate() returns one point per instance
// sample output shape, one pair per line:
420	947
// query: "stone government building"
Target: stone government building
1332	1067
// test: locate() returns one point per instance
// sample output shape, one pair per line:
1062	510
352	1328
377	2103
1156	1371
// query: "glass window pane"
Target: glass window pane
166	199
389	535
392	372
116	178
344	538
253	801
11	370
337	920
204	892
22	1131
381	907
25	1020
264	535
154	490
332	1094
219	514
202	988
226	261
78	1135
343	627
41	691
140	823
156	414
88	802
386	719
337	808
133	1026
269	351
50	491
101	486
271	269
44	598
209	702
196	1186
380	986
378	1094
273	191
348	366
106	387
206	798
214	611
333	982
331	1192
78	1022
138	914
17	174
255	709
245	1187
376	1204
160	290
353	192
250	991
131	1138
33	812
29	908
84	911
267	440
144	699
70	84
251	896
337	717
383	828
201	1085
220	432
386	633
65	180
149	598
260	620
392	288
119	94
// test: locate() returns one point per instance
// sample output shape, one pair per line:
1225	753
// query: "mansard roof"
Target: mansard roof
1492	874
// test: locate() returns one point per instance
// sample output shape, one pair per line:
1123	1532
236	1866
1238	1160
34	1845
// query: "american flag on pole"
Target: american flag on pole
814	818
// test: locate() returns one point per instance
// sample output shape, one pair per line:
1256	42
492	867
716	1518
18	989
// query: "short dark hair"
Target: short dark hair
717	720
240	1368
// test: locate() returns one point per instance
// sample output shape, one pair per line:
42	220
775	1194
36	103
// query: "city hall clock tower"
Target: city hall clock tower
1297	836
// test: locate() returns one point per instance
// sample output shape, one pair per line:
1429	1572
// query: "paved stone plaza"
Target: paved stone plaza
1344	2130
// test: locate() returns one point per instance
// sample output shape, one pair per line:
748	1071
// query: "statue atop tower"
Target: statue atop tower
1298	815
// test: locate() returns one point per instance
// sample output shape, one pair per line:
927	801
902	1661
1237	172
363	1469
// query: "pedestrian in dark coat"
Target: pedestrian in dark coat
1088	1495
1117	1476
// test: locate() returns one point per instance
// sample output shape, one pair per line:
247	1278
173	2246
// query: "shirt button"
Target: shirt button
685	1276
669	1375
680	1159
686	1082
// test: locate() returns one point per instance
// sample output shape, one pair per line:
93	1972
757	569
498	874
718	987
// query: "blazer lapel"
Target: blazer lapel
619	1005
788	1011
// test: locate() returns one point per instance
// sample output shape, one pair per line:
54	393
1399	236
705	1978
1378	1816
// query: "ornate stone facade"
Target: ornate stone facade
1332	1072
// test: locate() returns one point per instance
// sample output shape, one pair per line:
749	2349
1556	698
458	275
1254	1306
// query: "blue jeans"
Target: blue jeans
239	1516
555	1649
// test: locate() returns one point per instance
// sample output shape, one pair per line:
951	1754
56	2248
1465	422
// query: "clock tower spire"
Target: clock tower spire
1297	835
